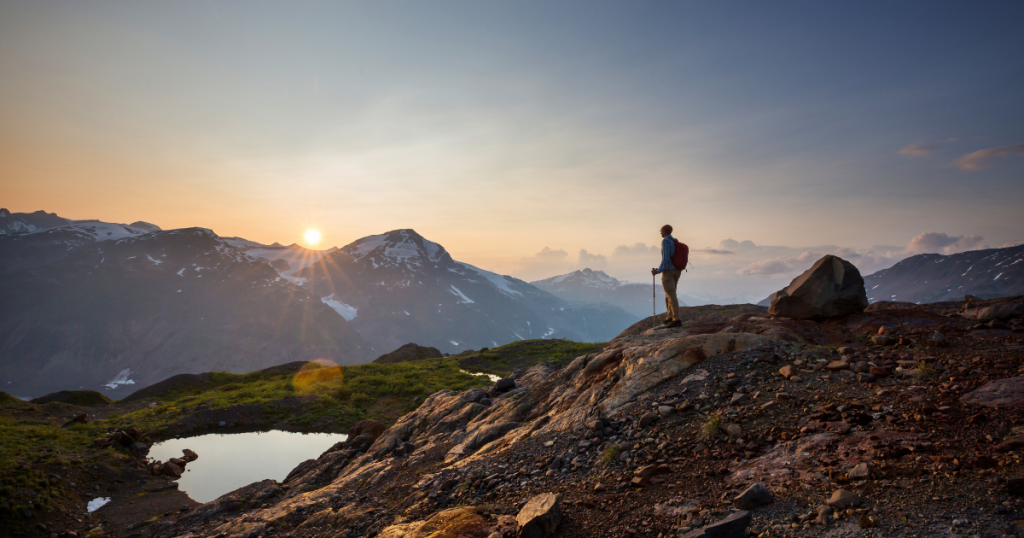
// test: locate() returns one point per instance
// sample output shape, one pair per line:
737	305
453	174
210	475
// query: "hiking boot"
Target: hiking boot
673	323
666	322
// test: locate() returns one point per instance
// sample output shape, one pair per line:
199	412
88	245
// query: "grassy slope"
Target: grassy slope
35	451
506	359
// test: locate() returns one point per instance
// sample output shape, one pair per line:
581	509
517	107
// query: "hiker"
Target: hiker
673	260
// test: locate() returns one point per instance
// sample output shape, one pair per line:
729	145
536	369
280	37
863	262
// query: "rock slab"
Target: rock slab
752	497
541	516
1001	393
734	526
831	287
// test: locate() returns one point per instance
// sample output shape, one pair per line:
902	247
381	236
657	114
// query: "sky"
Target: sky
530	138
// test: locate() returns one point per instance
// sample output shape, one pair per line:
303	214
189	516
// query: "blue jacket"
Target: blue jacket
668	249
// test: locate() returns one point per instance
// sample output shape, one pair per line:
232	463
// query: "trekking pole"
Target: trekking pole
654	302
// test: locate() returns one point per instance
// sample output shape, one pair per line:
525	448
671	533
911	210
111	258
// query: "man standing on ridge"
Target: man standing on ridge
673	260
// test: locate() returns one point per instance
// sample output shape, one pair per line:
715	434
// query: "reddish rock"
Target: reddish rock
1001	393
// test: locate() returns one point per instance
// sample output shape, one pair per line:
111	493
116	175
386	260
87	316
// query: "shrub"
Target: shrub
710	428
611	454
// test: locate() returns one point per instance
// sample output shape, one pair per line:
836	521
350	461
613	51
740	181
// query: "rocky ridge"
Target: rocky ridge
734	423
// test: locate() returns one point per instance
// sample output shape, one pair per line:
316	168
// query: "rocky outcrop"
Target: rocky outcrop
409	352
831	287
1002	393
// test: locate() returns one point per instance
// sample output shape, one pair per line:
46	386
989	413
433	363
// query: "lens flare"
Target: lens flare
317	377
312	236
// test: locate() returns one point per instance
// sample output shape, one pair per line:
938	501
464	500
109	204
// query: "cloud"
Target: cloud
1012	244
550	255
734	245
593	261
639	249
713	251
776	266
919	149
983	158
942	243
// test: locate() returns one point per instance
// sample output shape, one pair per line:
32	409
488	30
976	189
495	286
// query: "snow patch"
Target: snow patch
97	503
155	262
346	311
463	299
493	378
120	379
499	281
997	277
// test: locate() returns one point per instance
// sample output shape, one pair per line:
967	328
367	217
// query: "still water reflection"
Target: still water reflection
229	461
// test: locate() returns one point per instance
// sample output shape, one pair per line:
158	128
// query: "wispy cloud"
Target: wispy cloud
941	243
983	158
919	149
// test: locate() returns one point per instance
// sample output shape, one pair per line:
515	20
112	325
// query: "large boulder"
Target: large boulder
831	287
1001	393
541	516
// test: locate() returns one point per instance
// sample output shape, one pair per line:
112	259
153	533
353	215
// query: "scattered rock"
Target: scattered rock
733	526
541	516
860	471
752	497
649	418
843	499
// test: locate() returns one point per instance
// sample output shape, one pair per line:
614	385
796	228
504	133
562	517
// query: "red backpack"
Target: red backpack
681	256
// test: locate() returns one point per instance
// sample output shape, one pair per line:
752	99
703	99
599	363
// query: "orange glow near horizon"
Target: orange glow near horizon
312	236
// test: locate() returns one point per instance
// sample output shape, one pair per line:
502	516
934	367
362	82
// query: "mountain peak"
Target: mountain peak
396	246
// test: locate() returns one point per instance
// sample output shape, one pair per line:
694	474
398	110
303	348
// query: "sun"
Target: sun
312	236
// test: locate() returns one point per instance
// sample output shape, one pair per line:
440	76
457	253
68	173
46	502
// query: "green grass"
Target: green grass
611	454
506	359
77	397
343	395
710	428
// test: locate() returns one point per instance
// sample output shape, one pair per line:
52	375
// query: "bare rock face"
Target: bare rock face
541	516
831	287
455	522
1000	393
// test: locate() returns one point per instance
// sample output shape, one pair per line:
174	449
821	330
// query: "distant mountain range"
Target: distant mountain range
89	303
589	286
93	304
399	287
930	278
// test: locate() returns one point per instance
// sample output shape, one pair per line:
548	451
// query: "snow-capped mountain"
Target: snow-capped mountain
89	303
23	223
287	260
399	287
929	278
589	286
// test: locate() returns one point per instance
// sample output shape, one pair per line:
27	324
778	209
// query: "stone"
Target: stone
503	385
824	513
838	365
171	470
860	471
843	499
649	418
752	497
866	522
846	350
189	455
666	410
937	339
733	430
1002	393
540	516
866	378
787	371
733	526
882	340
738	398
996	312
831	287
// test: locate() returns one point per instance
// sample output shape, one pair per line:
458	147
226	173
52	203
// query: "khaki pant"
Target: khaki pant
669	280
